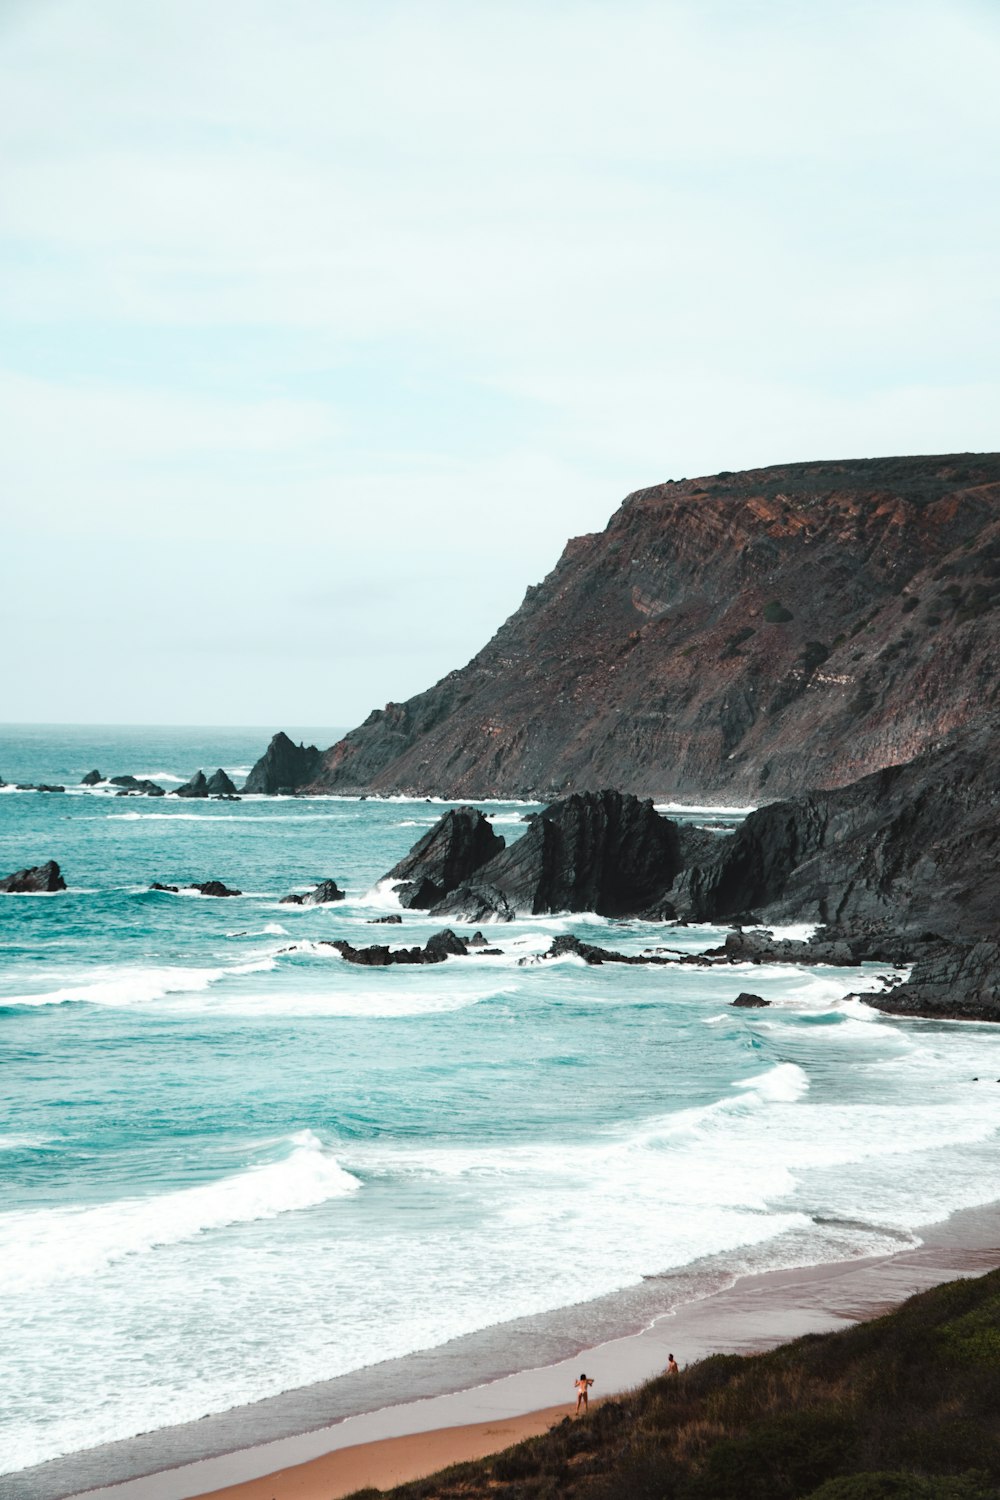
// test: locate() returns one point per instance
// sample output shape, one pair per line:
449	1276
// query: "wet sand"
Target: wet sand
412	1439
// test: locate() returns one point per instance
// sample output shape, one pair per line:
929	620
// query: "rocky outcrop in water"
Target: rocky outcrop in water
45	877
734	637
284	766
442	945
219	785
196	787
902	866
605	852
324	894
204	887
746	1001
459	844
137	785
92	778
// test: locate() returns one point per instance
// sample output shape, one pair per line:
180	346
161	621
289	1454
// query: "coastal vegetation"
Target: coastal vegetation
904	1407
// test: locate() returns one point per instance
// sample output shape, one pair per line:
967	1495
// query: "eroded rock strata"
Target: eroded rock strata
605	852
460	843
739	636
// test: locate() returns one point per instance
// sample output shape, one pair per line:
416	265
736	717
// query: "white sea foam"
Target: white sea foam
46	1245
699	808
382	897
124	986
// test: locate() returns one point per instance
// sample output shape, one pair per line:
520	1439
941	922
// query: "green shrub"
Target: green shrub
897	1485
775	613
779	1459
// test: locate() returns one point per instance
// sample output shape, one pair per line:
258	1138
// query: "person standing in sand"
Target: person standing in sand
581	1387
672	1366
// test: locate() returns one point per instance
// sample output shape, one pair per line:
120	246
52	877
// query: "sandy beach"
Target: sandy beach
412	1439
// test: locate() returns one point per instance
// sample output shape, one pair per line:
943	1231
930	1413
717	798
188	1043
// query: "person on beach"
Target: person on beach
672	1367
581	1387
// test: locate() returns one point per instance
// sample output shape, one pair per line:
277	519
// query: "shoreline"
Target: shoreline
753	1313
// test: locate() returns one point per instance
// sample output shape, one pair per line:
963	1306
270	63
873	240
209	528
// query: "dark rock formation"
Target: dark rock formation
764	948
954	981
38	878
911	849
750	1002
220	785
658	656
133	784
591	954
436	949
383	921
92	778
605	852
458	845
44	787
284	766
206	888
196	787
326	892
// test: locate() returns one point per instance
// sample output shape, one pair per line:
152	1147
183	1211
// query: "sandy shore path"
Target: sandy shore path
412	1439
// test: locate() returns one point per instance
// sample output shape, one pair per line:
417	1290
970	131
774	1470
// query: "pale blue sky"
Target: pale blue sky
323	325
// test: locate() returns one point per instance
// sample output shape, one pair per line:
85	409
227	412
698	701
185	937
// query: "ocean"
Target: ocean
234	1165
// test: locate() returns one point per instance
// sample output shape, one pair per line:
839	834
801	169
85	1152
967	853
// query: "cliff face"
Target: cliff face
743	636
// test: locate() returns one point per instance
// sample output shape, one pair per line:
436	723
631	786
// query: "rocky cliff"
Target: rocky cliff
744	636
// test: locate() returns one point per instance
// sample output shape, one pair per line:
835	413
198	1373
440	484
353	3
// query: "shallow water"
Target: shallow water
233	1165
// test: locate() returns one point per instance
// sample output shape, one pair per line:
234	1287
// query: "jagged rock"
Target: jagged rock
750	1002
605	852
196	787
476	941
219	785
458	845
436	949
446	943
156	886
133	784
383	921
37	878
284	766
92	778
326	892
646	659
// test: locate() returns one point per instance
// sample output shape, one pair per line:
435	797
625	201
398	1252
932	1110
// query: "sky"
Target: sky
324	325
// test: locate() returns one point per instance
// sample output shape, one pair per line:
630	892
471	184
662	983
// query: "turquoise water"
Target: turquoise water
233	1165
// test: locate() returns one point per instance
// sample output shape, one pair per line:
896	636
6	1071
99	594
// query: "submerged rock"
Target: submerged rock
458	845
134	784
36	878
326	892
442	945
205	887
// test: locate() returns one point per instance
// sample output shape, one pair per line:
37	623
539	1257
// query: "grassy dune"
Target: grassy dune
906	1407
